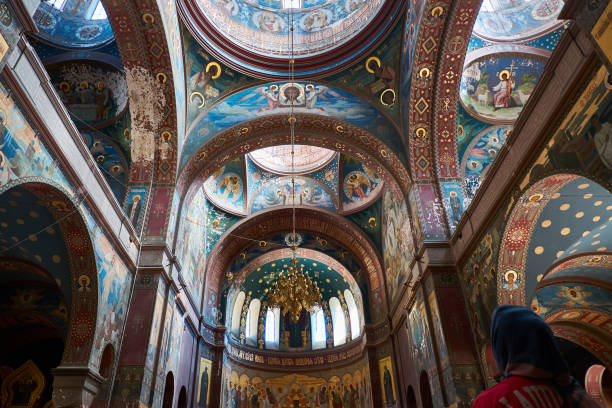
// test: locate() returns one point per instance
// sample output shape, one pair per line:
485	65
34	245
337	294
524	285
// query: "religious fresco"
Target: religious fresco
93	92
10	29
284	191
262	26
207	80
376	77
453	201
203	384
398	244
546	41
226	188
555	297
509	20
370	222
283	98
191	242
306	158
172	217
135	202
335	387
111	158
155	328
588	265
479	154
387	382
217	222
496	88
360	185
73	26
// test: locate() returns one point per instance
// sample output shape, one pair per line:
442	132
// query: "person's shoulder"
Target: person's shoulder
491	396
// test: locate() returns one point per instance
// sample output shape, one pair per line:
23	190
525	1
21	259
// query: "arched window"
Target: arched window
353	314
250	330
338	321
272	329
318	332
236	312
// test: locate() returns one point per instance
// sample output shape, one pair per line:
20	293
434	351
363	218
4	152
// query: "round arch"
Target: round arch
310	129
83	270
308	219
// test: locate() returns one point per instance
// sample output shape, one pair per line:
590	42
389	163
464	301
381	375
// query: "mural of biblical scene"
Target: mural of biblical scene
261	26
256	176
480	153
452	198
496	88
348	386
191	241
217	222
93	92
226	189
387	382
360	185
176	201
135	204
10	30
203	384
303	191
507	20
283	98
73	24
155	326
468	127
111	158
172	337
370	220
555	297
398	244
328	175
206	78
596	266
114	290
414	13
306	159
375	76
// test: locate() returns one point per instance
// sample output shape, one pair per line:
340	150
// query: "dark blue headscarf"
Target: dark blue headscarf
519	336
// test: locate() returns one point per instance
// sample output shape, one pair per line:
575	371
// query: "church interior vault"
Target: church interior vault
167	165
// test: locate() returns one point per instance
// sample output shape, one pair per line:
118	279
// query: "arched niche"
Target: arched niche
268	222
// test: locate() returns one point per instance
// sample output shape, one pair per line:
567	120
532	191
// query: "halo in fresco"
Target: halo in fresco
495	88
278	158
512	20
262	26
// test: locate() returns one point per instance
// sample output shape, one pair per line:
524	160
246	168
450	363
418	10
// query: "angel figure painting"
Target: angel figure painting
225	188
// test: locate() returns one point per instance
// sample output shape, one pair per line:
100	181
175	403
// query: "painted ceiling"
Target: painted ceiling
335	182
506	55
21	217
574	215
76	24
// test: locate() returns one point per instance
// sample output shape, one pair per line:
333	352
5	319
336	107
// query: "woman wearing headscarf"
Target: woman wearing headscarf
533	371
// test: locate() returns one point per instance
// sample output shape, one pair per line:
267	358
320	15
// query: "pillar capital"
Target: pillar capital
75	386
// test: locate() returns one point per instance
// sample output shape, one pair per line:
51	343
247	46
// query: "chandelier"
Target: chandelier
294	291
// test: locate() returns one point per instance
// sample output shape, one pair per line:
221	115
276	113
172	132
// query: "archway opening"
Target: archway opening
182	400
168	391
106	363
411	397
425	389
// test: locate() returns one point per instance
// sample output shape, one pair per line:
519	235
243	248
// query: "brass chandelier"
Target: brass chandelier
294	291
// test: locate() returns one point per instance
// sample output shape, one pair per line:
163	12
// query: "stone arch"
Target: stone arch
308	219
425	390
82	322
516	239
168	396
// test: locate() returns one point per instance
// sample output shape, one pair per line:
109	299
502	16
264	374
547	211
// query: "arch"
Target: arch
252	318
182	399
338	321
318	329
82	264
353	314
308	219
425	390
310	129
107	361
236	312
516	241
168	397
411	398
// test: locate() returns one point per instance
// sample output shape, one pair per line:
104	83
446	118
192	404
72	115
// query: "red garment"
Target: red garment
515	392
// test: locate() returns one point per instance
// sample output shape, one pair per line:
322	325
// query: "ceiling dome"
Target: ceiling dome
278	158
254	34
512	20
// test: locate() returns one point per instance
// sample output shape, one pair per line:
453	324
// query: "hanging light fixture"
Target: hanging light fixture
294	291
